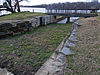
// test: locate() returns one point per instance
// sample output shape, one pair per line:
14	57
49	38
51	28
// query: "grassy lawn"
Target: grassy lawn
86	60
24	54
20	16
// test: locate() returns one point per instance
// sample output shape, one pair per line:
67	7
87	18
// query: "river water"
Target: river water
30	9
72	19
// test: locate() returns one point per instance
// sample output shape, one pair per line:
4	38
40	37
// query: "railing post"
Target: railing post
68	20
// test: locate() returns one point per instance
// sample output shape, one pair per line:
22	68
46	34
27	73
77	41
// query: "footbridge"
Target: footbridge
73	12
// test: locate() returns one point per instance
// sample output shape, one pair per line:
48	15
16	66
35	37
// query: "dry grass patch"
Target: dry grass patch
86	60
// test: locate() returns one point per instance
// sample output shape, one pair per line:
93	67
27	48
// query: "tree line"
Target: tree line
13	5
73	6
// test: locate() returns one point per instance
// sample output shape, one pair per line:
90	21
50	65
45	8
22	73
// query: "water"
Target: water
4	12
42	10
72	19
30	9
63	21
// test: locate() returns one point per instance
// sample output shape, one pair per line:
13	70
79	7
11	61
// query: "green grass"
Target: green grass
28	51
20	16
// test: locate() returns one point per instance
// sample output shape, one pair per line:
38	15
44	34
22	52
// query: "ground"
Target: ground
20	16
86	60
24	54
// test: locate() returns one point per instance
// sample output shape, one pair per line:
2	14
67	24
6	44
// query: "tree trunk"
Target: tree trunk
9	6
68	20
18	7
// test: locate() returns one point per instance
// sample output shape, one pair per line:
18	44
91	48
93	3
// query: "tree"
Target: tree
12	5
17	4
1	6
8	5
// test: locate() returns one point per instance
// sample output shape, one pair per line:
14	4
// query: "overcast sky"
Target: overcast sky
37	2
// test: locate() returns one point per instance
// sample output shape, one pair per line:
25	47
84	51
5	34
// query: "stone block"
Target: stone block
4	34
21	26
67	51
5	26
69	44
5	72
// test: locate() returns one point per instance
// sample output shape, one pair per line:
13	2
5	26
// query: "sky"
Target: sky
38	2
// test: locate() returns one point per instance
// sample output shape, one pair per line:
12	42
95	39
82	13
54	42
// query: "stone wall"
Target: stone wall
12	27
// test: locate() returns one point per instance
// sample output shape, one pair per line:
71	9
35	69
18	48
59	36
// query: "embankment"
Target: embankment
13	27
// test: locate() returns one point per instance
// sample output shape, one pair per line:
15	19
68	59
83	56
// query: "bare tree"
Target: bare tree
12	5
17	4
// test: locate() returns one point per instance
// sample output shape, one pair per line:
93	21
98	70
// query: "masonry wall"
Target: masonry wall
20	26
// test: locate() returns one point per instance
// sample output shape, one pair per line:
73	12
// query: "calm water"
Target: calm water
43	10
72	19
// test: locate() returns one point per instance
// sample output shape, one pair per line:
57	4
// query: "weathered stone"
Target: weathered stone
21	26
72	38
37	21
73	32
67	51
77	24
46	20
5	72
3	34
69	44
61	57
52	66
5	26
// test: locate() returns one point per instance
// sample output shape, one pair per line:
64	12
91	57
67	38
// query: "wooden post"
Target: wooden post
55	17
68	20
